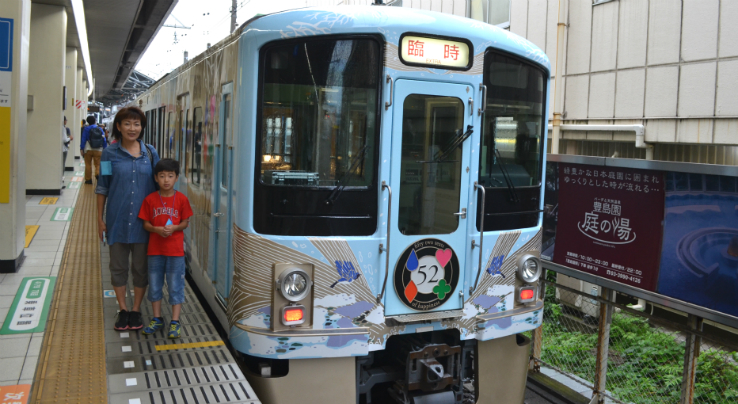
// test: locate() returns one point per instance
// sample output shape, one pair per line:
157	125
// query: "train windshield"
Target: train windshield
513	123
319	113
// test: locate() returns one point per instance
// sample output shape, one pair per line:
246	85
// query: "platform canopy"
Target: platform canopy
111	35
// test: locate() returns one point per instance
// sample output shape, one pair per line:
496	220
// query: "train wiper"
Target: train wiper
510	185
354	163
453	144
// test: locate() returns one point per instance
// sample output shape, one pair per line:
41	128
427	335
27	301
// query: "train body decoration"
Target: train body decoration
366	183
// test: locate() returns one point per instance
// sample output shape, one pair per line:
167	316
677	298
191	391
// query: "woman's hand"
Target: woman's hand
101	227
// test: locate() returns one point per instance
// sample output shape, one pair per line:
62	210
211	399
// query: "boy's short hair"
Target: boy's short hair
167	165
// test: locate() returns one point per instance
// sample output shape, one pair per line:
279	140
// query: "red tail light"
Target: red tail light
291	315
526	294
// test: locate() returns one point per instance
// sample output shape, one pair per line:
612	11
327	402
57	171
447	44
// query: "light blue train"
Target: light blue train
366	183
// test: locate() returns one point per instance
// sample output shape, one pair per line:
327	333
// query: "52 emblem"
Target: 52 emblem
426	274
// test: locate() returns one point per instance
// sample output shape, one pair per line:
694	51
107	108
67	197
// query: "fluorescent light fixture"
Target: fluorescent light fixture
79	20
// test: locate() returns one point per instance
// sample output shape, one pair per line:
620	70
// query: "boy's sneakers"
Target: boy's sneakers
154	326
122	322
174	330
134	320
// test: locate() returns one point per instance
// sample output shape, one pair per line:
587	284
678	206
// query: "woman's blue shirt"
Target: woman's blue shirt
131	181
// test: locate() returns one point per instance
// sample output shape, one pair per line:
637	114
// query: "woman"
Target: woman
126	178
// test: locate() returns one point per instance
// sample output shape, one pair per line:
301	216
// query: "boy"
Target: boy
165	214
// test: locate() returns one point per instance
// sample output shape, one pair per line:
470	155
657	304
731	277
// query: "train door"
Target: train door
429	181
221	270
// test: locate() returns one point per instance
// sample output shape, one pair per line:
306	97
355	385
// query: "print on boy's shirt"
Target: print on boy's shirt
162	211
170	212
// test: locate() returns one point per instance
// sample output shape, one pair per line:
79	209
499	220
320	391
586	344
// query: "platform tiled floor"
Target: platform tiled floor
19	353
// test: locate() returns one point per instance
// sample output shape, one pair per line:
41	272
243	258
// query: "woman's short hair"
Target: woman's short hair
134	113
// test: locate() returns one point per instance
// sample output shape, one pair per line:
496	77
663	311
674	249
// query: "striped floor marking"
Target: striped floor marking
190	345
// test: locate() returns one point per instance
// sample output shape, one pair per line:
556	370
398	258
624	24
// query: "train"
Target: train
366	184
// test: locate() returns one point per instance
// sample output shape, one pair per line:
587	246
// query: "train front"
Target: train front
388	221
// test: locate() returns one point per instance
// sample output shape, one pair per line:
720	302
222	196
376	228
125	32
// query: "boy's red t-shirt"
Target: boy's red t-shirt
157	210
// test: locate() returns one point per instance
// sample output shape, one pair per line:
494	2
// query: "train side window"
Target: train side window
196	147
513	127
228	136
185	152
169	135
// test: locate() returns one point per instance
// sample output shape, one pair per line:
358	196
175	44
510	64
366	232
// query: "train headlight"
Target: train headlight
529	268
294	284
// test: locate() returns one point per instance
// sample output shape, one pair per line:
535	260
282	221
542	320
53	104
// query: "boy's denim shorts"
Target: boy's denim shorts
174	270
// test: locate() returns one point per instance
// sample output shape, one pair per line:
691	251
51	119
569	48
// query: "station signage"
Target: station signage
6	81
434	52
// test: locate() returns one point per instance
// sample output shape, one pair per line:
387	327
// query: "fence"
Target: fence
630	356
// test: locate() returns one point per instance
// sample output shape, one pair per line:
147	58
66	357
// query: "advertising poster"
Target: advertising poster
609	222
699	259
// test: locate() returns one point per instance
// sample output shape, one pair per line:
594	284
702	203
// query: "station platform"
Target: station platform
74	354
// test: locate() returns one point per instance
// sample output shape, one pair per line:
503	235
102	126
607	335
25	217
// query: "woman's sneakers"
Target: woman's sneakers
128	320
175	330
121	323
154	326
134	320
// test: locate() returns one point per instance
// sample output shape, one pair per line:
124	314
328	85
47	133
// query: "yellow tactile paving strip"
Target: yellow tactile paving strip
71	365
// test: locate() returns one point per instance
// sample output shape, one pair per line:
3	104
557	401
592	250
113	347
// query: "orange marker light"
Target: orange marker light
526	294
291	315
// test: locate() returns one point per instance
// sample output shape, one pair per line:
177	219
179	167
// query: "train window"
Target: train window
512	140
319	110
318	113
430	184
227	140
196	147
170	135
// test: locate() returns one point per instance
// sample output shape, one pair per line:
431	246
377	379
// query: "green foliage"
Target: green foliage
645	364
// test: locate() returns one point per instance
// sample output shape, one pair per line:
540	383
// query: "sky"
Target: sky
209	22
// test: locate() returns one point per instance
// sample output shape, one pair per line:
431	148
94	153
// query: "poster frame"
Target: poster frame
654	297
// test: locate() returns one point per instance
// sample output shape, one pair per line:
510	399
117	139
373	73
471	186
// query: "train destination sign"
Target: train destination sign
434	51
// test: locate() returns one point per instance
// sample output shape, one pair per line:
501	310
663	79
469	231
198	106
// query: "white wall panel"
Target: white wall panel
697	90
576	97
519	17
436	5
447	6
661	130
728	28
726	103
551	23
602	95
631	85
726	131
664	27
632	33
694	131
700	29
579	36
537	11
604	36
662	88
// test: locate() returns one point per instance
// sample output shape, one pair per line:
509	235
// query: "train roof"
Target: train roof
390	22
